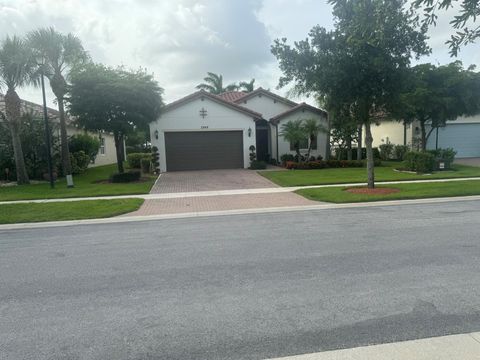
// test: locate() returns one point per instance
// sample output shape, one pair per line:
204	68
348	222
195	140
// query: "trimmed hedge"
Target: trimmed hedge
320	164
258	165
420	162
126	177
135	159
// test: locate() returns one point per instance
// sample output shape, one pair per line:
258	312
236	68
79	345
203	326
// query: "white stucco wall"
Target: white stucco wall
269	108
186	117
109	157
391	131
266	106
284	146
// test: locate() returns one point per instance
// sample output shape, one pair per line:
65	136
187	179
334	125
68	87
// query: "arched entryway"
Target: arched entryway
262	130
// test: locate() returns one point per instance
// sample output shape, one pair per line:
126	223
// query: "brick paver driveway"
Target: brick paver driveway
220	203
209	180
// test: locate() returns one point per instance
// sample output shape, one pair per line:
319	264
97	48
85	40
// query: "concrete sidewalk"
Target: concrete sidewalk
452	347
272	190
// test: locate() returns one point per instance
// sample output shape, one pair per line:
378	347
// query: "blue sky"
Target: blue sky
180	40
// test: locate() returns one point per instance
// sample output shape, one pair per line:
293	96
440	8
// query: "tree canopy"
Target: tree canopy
114	100
469	11
437	94
360	63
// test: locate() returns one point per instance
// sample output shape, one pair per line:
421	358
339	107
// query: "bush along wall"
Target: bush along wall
135	159
321	164
420	162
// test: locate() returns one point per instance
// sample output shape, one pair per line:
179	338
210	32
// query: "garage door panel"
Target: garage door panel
204	150
464	138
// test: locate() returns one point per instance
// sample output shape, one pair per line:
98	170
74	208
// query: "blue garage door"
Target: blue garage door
464	138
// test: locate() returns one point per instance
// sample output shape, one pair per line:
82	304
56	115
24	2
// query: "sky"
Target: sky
180	40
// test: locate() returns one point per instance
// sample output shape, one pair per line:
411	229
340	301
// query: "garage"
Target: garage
464	138
203	150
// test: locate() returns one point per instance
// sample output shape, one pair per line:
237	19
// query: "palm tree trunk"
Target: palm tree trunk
12	105
370	160
66	164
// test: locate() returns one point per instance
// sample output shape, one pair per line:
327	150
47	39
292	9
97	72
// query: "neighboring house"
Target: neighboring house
462	135
206	131
106	153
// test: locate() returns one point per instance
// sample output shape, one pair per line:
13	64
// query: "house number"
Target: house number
204	127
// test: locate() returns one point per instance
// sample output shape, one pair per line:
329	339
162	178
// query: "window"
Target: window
302	145
102	146
314	143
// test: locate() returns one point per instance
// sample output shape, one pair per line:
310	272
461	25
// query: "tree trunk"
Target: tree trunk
349	148
13	117
118	138
359	143
424	135
370	160
66	164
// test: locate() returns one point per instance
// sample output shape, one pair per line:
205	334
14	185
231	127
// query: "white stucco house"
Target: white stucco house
462	134
106	153
204	131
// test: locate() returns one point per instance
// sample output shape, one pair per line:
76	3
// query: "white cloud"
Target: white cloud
180	40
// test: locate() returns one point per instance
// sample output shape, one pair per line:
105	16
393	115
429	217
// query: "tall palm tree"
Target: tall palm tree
214	84
311	128
16	69
58	53
247	86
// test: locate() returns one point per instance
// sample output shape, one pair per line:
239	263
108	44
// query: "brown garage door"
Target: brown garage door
204	150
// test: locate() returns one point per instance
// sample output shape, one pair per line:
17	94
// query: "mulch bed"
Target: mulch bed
376	191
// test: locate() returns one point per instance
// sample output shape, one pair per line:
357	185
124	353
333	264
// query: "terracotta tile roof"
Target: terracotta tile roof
262	91
302	106
216	98
232	96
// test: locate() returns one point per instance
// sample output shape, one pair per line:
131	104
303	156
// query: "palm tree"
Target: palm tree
59	53
214	84
16	70
293	132
311	129
247	86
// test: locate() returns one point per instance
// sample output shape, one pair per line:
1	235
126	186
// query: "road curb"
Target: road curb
127	219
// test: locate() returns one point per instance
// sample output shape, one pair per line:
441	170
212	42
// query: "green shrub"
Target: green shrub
447	156
320	164
258	165
86	143
155	160
286	157
125	177
135	159
386	151
79	161
420	162
145	165
399	152
342	154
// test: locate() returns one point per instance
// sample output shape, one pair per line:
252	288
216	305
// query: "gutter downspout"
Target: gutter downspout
276	133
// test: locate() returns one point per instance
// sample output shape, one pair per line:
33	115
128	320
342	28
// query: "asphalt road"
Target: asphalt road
240	287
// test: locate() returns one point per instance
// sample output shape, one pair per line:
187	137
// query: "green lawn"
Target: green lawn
74	210
407	191
85	185
359	175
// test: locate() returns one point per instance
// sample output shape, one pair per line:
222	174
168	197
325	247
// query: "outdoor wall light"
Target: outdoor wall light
249	132
156	134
